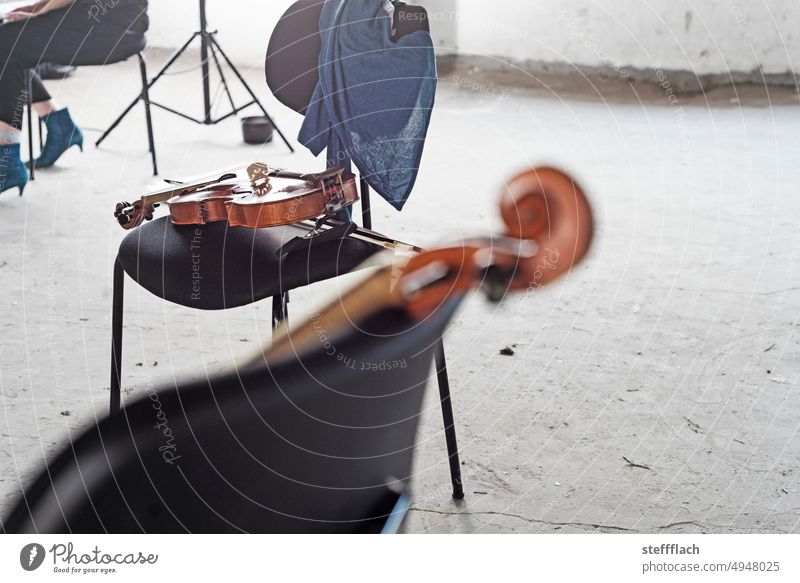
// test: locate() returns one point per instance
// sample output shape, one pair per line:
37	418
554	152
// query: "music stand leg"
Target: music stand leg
250	91
204	45
174	57
208	41
222	78
147	113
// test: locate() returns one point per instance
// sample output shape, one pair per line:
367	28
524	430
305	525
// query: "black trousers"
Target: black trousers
69	36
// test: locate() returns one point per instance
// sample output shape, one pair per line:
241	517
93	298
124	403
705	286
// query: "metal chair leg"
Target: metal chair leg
147	112
116	337
29	105
280	311
449	423
366	210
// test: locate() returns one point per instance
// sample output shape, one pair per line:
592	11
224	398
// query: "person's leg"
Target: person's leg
13	173
13	99
9	134
43	104
69	36
21	44
57	35
12	93
66	36
44	108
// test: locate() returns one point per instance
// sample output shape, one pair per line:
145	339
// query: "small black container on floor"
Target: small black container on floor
257	129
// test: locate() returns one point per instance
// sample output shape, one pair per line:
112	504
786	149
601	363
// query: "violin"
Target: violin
548	230
259	197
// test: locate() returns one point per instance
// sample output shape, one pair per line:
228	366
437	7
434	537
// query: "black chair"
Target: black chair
240	266
144	97
307	445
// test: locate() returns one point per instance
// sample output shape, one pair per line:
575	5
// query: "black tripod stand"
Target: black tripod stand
208	46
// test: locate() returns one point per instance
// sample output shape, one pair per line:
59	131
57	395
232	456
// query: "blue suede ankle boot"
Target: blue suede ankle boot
62	134
13	172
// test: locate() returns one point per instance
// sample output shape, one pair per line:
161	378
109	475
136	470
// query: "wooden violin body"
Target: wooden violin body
204	206
290	201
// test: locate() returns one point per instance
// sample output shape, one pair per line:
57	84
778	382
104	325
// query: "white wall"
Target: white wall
244	25
703	36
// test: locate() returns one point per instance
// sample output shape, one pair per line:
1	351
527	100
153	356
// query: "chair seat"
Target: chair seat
216	267
129	44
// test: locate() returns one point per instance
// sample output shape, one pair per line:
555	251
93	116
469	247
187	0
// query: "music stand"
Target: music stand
208	46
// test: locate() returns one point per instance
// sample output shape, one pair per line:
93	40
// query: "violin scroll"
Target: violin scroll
129	216
546	206
549	229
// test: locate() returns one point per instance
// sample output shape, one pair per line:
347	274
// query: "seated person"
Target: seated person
66	32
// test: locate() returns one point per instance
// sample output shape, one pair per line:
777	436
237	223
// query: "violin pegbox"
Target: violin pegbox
548	229
258	174
129	216
546	206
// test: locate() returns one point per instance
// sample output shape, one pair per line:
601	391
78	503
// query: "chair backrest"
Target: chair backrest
293	51
320	443
292	61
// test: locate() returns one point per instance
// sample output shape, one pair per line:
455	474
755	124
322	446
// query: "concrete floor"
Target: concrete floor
676	345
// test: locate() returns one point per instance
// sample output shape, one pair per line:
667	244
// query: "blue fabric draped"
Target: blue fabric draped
373	102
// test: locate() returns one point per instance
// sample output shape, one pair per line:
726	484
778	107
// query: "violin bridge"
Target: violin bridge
258	174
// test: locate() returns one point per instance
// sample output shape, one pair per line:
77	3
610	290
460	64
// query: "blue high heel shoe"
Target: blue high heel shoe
62	134
13	172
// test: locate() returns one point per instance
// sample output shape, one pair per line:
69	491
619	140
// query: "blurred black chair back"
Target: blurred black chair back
319	444
292	73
